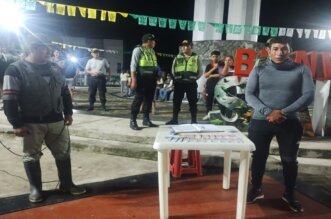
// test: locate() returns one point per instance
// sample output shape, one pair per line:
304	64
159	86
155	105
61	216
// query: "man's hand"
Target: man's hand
133	84
276	117
68	120
21	132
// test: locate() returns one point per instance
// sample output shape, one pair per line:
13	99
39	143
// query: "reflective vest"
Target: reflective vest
186	69
39	97
147	63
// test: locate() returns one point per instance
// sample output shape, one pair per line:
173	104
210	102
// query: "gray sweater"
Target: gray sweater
288	87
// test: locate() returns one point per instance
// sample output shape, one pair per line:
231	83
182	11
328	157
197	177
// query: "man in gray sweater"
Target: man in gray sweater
277	90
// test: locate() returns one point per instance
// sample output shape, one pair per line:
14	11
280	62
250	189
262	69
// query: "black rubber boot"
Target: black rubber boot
133	122
33	172
174	120
147	121
65	177
91	107
194	118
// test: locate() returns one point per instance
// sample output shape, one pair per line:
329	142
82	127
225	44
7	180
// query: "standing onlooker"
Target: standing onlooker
144	73
213	74
56	58
98	68
277	90
38	105
124	82
186	69
70	71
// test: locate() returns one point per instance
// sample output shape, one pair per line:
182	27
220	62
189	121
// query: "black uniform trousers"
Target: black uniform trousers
97	83
288	135
210	91
145	92
190	88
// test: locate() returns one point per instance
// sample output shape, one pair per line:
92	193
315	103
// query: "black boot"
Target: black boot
194	118
147	121
91	107
174	120
104	108
133	122
33	172
65	177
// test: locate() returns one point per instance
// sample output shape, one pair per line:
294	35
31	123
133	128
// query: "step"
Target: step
306	165
314	148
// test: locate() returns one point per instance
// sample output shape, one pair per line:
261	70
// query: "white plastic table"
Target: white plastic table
228	140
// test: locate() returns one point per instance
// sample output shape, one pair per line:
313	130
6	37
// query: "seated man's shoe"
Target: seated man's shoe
172	122
254	195
73	190
134	125
292	203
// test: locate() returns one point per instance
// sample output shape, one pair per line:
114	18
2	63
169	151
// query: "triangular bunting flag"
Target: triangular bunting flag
152	21
315	32
265	31
307	33
191	25
229	28
103	15
162	22
123	14
282	31
43	3
112	16
274	31
82	11
289	32
50	7
30	4
60	9
71	10
201	26
256	30
299	31
91	13
172	23
135	16
322	34
182	24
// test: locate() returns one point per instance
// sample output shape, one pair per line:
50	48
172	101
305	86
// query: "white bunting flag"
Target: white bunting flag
322	34
300	32
282	31
307	33
289	32
329	34
315	33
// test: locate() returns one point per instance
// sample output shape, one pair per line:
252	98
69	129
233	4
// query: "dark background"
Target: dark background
312	14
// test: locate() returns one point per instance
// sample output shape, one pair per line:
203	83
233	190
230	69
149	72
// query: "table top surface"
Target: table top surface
226	138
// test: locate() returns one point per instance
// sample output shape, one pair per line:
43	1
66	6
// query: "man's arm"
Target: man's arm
67	105
307	91
133	67
251	94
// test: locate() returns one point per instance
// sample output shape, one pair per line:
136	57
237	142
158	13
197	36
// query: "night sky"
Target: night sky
314	14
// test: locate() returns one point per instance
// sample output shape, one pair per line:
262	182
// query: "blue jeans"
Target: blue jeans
288	135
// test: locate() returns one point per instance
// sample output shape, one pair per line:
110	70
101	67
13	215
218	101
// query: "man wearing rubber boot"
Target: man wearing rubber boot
144	76
38	105
186	70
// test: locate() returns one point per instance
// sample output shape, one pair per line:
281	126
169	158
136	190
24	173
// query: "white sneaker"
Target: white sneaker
206	117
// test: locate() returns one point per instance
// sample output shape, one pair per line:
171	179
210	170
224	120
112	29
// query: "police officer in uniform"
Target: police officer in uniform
186	69
144	76
38	105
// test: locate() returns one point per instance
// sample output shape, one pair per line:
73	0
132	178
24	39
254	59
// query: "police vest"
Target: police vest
147	64
186	69
37	96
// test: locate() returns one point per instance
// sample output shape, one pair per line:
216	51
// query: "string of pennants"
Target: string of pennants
69	46
25	4
189	25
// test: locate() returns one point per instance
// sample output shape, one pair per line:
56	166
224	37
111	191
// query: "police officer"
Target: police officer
38	105
144	76
186	69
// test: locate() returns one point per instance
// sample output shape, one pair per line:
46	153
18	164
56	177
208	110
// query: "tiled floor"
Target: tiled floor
189	198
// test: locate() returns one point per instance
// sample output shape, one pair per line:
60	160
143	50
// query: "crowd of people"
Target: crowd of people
37	101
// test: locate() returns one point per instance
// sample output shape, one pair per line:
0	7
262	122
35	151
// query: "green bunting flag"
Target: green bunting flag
248	29
219	28
142	20
201	26
172	23
237	29
162	22
229	28
135	16
265	31
182	24
256	30
274	31
152	21
191	25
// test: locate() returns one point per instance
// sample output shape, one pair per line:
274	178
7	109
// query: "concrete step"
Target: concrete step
317	148
314	166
